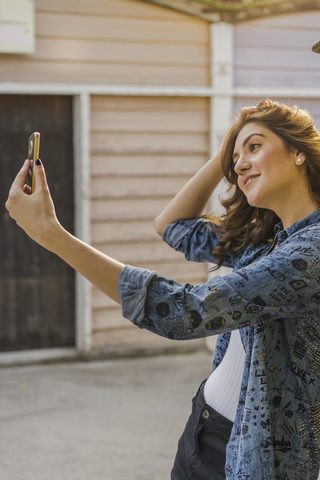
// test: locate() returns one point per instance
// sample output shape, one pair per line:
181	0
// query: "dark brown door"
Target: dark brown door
37	295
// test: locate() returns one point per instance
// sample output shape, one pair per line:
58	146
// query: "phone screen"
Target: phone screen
33	154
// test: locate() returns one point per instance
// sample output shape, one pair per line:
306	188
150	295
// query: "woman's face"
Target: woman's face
267	172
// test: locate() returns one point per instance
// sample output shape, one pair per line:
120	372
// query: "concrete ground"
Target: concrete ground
111	420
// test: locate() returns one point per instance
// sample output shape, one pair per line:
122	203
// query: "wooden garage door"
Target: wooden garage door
36	287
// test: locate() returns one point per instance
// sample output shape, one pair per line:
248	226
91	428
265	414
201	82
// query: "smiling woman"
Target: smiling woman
281	146
258	414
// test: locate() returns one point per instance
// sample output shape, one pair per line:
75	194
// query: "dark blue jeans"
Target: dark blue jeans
201	451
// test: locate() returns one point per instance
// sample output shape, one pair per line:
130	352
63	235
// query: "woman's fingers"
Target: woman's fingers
40	175
27	190
18	183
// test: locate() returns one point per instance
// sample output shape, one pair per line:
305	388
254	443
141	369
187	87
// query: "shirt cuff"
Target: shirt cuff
175	232
132	288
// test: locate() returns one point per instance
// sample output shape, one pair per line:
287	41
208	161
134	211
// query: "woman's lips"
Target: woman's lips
249	179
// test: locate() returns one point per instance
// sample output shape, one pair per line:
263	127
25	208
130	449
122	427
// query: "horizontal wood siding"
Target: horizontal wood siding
276	51
115	42
143	151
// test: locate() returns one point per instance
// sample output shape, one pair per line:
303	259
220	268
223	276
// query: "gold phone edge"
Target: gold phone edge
36	150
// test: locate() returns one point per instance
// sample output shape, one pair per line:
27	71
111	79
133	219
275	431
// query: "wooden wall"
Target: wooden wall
276	51
143	151
113	41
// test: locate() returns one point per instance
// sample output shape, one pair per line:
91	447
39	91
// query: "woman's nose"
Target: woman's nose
241	166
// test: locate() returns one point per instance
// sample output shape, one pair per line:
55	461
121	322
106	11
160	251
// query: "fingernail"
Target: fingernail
38	161
26	160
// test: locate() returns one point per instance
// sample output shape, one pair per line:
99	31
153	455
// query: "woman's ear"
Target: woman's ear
300	159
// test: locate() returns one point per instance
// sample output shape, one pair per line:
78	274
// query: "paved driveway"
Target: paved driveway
112	420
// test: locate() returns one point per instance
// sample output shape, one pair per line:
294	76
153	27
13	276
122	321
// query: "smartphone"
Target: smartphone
33	154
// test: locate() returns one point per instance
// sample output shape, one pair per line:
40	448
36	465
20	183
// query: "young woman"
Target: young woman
258	415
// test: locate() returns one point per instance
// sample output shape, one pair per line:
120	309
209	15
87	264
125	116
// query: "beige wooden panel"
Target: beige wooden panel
149	142
146	165
122	28
109	318
124	209
127	195
150	104
127	210
113	41
119	52
121	8
112	232
281	54
137	337
27	70
113	121
140	251
106	187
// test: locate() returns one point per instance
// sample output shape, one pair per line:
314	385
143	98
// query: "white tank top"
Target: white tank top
222	388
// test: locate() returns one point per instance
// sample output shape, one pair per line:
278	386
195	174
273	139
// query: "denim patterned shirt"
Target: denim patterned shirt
273	298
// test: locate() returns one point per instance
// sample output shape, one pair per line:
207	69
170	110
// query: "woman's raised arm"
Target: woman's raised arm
193	197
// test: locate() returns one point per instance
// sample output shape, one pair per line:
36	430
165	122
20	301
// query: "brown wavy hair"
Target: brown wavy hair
243	224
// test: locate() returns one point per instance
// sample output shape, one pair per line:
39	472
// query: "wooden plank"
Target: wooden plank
115	121
147	165
120	210
137	337
108	318
118	232
149	104
106	187
118	52
121	28
275	58
149	143
140	252
273	37
26	70
276	77
122	8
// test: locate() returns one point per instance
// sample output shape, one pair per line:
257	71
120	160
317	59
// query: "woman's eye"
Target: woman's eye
253	147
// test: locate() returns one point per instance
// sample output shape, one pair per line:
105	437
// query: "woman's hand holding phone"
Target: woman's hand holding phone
34	213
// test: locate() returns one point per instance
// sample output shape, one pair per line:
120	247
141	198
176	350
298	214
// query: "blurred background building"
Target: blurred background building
131	99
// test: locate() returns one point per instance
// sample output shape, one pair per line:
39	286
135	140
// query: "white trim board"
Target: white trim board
82	216
35	88
39	355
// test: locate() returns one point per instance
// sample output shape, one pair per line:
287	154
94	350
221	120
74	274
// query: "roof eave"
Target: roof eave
202	9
